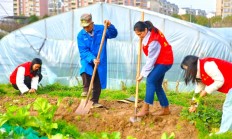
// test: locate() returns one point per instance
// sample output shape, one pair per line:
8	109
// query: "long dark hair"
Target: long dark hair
36	61
140	26
151	26
190	73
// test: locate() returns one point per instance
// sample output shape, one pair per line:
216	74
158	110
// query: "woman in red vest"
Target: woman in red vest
27	76
159	61
211	74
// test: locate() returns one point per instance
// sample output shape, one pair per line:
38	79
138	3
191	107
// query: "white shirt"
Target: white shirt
153	53
212	70
20	81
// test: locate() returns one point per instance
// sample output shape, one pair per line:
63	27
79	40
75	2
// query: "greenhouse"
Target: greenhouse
54	40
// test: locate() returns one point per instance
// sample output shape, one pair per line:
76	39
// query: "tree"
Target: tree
227	21
202	20
215	21
176	16
189	18
33	18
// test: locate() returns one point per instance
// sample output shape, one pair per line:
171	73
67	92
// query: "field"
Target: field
112	121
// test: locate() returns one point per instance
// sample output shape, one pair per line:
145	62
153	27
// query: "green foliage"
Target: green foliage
45	16
227	21
2	92
181	99
17	132
2	35
43	122
202	20
165	136
103	135
67	129
215	19
15	116
33	18
226	135
176	16
189	18
205	118
61	90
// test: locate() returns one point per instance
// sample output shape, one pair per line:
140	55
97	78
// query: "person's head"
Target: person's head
36	64
189	64
86	22
141	29
151	26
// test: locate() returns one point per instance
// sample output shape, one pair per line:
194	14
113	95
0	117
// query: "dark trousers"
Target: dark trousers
86	78
27	81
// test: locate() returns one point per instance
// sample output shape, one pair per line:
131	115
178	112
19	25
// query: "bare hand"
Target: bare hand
32	91
139	78
203	93
192	109
107	22
96	61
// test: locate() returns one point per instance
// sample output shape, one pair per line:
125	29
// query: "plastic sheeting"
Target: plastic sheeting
54	41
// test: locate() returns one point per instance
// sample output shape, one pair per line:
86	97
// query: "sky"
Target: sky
6	7
207	5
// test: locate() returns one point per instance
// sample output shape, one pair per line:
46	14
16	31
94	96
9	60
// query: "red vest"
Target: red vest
225	68
166	55
27	67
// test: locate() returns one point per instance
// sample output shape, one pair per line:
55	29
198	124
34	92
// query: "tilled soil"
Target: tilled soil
115	117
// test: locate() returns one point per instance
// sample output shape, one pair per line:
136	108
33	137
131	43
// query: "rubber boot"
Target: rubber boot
164	111
144	111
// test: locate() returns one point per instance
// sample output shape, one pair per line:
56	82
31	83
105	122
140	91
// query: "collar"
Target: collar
146	38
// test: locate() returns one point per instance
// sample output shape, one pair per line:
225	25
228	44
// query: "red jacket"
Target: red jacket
224	67
27	67
166	55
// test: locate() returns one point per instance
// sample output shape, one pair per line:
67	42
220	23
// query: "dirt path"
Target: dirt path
115	117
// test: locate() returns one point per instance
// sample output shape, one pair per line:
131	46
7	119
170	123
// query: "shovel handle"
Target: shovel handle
95	66
138	68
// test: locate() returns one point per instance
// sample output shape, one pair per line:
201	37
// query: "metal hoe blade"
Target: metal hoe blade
135	119
83	107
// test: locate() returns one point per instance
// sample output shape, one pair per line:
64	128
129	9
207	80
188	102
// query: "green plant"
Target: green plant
165	136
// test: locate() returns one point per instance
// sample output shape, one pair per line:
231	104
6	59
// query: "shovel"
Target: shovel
86	104
136	118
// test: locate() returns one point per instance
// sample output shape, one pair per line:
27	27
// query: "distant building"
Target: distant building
197	12
224	8
187	11
200	12
53	7
30	7
210	14
163	6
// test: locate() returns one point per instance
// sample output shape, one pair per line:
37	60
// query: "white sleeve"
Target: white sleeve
20	80
34	82
199	87
212	70
153	53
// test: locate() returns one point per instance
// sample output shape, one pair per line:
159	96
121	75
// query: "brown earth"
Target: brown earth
115	117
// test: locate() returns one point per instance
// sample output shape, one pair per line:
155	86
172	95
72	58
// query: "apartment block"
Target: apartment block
54	7
163	6
224	8
190	11
30	7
